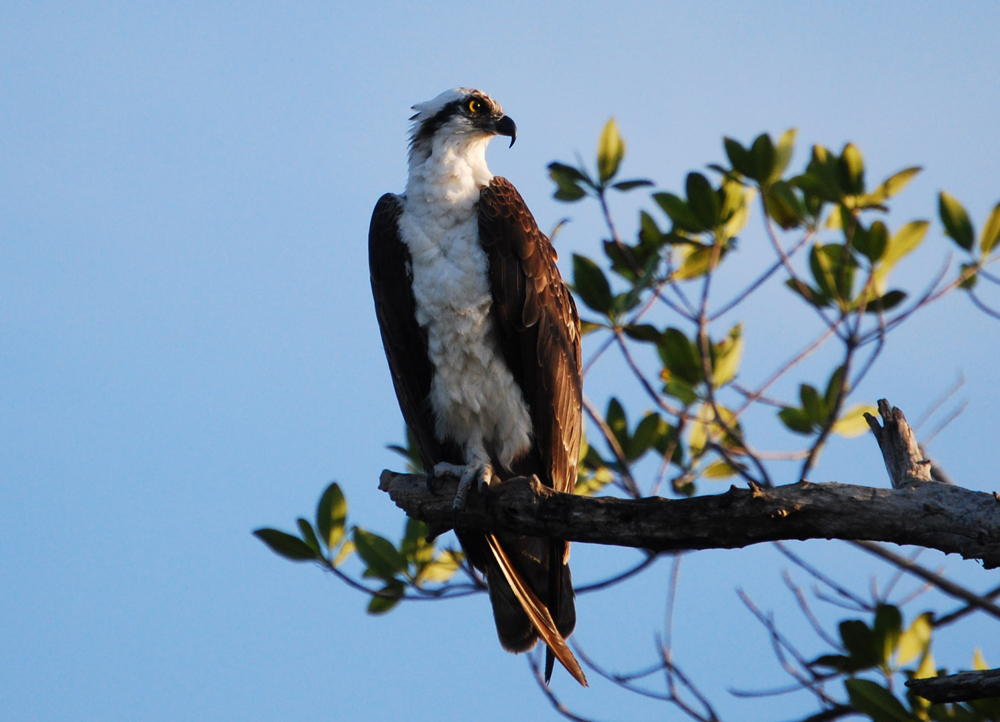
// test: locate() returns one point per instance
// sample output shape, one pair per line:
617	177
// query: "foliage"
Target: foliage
656	300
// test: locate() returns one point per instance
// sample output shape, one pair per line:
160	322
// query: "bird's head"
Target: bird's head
460	113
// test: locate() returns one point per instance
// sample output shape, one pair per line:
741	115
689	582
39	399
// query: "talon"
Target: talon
482	474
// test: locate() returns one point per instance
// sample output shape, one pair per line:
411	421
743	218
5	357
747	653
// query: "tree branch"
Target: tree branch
959	687
936	516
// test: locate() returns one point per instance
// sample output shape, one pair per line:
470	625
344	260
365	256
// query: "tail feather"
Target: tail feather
540	617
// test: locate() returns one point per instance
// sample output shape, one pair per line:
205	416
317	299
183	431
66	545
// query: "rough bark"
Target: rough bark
903	459
959	687
932	515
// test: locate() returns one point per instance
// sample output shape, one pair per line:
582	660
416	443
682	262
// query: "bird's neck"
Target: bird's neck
448	172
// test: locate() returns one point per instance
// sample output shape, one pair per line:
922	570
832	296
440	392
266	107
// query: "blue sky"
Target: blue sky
190	350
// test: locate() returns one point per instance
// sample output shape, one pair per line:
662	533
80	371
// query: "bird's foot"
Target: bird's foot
441	471
481	473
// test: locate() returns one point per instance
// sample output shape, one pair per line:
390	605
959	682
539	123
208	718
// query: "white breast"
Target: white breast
476	401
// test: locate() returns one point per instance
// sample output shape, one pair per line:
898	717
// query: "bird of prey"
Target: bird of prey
483	342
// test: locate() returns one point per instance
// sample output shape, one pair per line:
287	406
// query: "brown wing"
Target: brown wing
405	343
539	328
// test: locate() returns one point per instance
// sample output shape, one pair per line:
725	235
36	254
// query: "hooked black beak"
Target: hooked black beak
506	126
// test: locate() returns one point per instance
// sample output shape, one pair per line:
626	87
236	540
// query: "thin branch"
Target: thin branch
945	585
629	573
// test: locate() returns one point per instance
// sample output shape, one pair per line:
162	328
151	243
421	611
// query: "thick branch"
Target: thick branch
958	687
936	516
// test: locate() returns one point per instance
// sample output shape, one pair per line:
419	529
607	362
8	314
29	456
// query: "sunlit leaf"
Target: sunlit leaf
331	515
610	151
915	640
441	569
782	154
728	355
852	423
696	261
718	470
991	232
852	170
978	661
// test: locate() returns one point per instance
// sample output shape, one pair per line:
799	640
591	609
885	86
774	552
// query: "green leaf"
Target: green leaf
859	641
833	267
814	407
642	332
837	662
331	515
309	536
852	423
871	242
680	213
796	420
887	627
885	302
762	157
969	273
628	185
381	556
610	151
388	597
991	232
617	421
916	639
415	545
833	386
852	170
703	199
739	158
812	296
286	545
956	221
877	702
784	206
591	285
647	432
679	356
569	182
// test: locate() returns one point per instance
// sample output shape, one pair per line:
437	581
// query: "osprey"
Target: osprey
483	342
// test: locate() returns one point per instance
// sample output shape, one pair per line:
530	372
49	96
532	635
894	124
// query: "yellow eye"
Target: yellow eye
475	106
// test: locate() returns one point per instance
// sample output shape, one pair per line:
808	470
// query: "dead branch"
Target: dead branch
951	519
959	687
